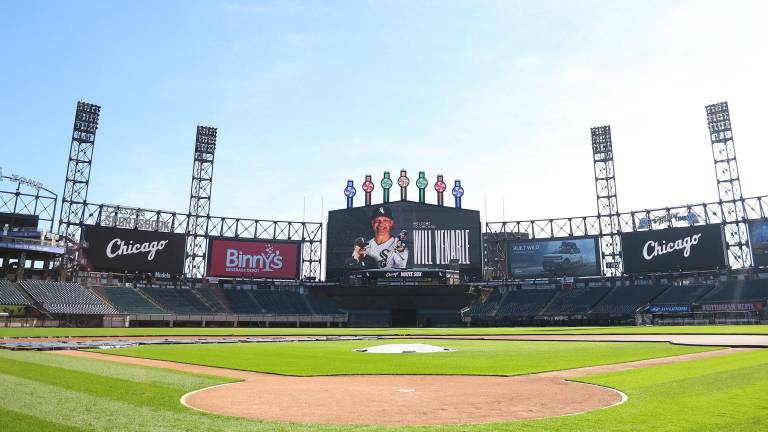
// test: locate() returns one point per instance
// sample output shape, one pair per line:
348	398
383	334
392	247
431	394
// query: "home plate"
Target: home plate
403	349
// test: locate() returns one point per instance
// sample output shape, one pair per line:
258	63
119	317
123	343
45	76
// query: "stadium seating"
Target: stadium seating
241	302
573	301
214	296
524	302
682	294
177	300
211	300
486	309
66	298
627	299
128	300
10	294
281	302
263	301
322	306
738	291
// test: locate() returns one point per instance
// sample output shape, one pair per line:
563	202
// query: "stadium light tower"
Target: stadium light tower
607	204
200	201
78	176
728	184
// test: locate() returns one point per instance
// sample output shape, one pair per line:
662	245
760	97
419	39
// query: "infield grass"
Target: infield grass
470	358
153	331
46	392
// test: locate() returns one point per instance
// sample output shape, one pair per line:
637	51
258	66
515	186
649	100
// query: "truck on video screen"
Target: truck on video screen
566	256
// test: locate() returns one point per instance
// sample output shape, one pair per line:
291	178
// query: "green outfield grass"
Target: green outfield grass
45	392
470	358
139	331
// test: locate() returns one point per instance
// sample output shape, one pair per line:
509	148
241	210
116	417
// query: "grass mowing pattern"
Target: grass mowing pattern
722	393
470	358
138	331
715	394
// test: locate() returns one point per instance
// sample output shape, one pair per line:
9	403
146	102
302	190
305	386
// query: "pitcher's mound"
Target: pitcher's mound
403	349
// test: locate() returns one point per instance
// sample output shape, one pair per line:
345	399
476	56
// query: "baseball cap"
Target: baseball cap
382	211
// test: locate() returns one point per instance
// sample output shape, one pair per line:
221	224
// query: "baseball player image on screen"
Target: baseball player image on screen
383	250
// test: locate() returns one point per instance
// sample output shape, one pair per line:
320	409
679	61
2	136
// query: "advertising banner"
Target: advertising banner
731	307
263	259
758	236
674	249
31	246
126	250
670	309
553	257
668	220
403	235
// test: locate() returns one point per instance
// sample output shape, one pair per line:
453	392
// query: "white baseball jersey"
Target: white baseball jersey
386	255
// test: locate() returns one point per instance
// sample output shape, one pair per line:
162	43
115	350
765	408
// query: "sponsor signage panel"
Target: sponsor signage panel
127	250
553	257
758	236
670	309
674	249
32	246
403	235
669	220
138	222
267	259
731	307
407	274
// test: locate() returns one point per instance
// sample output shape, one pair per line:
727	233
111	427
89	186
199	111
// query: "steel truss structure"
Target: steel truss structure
197	223
200	201
728	184
607	203
660	218
310	234
78	175
29	200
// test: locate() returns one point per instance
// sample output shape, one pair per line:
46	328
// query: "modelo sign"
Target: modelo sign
674	249
263	259
128	250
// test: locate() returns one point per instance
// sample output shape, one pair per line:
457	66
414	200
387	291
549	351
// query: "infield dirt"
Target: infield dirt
401	399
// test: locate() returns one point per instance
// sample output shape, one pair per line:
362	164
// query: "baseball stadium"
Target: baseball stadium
397	314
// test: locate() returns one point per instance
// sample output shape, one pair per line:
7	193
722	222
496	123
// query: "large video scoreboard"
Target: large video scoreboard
403	235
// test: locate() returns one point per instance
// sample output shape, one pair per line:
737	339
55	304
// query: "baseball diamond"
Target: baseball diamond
523	381
304	288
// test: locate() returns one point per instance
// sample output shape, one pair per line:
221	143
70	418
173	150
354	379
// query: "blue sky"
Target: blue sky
309	94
